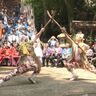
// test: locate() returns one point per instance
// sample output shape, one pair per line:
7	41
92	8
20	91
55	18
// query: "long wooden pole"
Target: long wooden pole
40	32
87	65
47	23
63	30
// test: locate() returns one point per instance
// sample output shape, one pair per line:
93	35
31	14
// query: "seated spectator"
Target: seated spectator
12	37
19	24
22	17
67	52
94	54
9	27
25	24
46	55
58	55
30	33
2	30
52	56
15	57
1	55
1	16
89	54
5	53
22	33
52	41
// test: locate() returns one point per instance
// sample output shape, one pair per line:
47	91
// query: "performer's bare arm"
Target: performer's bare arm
39	34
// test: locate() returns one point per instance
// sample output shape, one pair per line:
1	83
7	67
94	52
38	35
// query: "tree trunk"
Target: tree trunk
70	15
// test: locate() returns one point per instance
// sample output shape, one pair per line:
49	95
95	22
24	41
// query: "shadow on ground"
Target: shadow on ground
47	86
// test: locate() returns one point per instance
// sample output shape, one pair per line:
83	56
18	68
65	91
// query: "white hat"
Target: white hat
61	35
53	37
62	45
80	36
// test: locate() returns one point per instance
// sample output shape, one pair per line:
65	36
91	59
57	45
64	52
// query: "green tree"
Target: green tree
65	11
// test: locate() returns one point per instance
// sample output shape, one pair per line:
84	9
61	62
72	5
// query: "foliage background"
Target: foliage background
65	11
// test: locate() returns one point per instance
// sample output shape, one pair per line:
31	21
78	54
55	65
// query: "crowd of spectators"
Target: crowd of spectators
56	54
14	29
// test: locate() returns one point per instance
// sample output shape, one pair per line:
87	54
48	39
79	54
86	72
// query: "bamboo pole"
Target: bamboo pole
85	62
63	30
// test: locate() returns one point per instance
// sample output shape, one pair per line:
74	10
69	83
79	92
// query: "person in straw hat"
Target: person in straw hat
52	41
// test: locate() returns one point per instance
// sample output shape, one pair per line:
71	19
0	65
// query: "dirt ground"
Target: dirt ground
51	82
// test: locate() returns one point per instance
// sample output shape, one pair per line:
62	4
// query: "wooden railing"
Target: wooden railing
81	24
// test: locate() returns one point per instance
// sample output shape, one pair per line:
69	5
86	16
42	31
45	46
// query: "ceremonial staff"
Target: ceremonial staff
86	63
64	30
47	23
42	29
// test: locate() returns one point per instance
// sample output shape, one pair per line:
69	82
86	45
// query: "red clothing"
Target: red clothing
15	57
1	57
1	32
14	52
11	54
4	53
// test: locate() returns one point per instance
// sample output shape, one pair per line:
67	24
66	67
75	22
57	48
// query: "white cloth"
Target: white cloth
1	81
89	52
12	38
38	51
